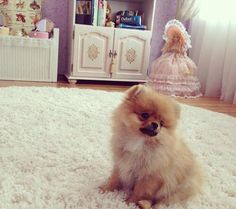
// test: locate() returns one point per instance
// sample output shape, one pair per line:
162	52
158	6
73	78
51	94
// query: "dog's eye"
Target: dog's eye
145	115
162	123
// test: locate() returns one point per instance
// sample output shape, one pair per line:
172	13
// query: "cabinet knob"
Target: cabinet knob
115	54
110	54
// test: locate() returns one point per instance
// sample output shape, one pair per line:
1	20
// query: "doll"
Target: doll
173	73
109	22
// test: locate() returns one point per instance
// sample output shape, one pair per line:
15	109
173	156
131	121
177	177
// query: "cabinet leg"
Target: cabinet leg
72	81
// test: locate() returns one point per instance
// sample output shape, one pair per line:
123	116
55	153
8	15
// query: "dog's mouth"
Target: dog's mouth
148	132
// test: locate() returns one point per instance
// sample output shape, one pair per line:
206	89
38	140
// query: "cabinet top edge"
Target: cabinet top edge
130	0
109	28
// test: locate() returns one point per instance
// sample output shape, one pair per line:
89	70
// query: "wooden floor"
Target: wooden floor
213	104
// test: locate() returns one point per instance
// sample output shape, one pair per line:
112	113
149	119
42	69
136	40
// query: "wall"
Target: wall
57	11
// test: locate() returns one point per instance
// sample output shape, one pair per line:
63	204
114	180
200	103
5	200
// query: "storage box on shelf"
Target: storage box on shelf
29	59
106	53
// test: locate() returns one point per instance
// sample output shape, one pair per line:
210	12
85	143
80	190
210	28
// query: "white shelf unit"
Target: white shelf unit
29	59
110	54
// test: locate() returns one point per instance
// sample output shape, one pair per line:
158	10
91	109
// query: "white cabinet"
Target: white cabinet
91	47
115	54
132	48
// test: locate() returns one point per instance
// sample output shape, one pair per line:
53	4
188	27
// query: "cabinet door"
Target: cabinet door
91	51
133	50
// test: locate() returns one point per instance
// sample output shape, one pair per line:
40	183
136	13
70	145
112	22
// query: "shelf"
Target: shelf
90	46
129	0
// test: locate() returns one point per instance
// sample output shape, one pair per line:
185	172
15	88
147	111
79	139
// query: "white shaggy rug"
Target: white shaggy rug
54	150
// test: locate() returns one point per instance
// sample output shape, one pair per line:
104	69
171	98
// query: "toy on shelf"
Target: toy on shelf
109	22
102	13
84	12
45	25
84	7
130	20
43	29
173	73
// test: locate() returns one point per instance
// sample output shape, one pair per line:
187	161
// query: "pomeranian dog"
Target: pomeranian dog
150	158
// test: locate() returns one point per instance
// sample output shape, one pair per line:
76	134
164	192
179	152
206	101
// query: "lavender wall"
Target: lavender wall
57	11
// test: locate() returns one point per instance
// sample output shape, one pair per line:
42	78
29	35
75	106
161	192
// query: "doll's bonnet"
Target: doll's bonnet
175	25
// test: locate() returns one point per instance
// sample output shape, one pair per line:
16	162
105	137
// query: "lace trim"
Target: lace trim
173	77
178	90
176	87
186	83
176	81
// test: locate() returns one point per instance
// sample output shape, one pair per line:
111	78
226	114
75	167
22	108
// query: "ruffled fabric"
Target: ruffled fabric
180	26
174	74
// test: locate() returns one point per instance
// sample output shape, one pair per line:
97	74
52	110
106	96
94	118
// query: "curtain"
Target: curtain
186	9
214	48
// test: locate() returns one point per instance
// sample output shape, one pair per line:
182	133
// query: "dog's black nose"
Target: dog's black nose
150	130
154	125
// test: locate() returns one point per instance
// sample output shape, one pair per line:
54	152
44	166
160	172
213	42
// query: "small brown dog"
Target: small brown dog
150	159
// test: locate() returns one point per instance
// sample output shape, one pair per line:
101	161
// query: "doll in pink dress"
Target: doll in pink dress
173	73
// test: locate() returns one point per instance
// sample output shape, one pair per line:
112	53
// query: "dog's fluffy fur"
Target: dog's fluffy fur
150	158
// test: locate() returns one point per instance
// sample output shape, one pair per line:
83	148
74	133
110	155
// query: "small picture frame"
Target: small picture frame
83	7
84	12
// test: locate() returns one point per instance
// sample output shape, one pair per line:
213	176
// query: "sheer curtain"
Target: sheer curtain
214	48
186	9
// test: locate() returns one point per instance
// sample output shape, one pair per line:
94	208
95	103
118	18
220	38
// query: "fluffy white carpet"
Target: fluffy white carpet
54	150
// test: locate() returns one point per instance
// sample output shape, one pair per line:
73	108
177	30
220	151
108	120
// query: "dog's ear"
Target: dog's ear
134	91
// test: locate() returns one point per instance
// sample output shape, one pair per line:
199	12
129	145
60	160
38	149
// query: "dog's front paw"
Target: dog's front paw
131	199
107	188
104	188
145	204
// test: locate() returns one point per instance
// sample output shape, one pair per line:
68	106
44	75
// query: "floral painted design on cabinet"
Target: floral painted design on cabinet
131	55
93	52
